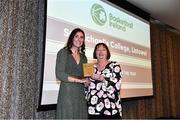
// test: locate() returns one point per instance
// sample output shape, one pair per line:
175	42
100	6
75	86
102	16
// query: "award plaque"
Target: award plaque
88	69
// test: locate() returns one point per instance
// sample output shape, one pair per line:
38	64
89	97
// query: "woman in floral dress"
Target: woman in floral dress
103	93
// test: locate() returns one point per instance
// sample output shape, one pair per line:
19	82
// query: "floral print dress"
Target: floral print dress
104	96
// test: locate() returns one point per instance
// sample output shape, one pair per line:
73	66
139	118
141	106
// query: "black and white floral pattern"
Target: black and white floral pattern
104	96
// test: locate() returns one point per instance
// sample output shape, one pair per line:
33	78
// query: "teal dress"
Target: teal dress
71	102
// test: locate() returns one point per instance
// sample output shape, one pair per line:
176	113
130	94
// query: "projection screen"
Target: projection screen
127	36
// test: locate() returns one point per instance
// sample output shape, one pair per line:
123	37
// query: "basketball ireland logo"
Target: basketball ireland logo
98	14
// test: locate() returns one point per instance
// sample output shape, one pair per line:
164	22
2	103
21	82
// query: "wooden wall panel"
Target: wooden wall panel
166	74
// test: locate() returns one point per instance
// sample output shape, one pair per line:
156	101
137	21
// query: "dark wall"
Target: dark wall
166	78
21	53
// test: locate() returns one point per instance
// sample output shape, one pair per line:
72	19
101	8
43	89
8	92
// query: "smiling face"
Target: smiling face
78	40
101	52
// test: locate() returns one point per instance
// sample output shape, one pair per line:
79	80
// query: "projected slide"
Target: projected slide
127	36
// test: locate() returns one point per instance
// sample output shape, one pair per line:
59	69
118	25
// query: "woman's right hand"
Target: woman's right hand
97	77
86	82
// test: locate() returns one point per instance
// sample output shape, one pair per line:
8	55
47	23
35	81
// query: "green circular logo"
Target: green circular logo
98	14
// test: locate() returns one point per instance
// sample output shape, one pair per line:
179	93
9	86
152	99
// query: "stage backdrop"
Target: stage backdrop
126	35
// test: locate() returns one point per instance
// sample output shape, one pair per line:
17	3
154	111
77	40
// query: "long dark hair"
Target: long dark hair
70	40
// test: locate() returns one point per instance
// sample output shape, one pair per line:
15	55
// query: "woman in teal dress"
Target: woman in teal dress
71	102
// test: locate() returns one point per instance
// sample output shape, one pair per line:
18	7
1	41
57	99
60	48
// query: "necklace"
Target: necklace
76	57
101	66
